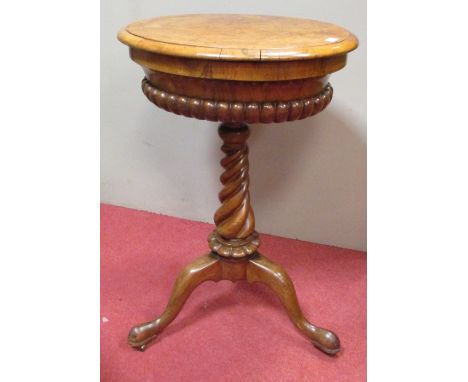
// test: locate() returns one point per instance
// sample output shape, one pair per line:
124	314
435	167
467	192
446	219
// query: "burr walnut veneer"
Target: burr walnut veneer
237	69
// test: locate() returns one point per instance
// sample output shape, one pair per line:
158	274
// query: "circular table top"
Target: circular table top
233	37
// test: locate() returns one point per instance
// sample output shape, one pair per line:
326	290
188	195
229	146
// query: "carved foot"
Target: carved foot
260	269
202	269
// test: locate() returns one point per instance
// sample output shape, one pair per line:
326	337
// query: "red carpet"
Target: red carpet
226	331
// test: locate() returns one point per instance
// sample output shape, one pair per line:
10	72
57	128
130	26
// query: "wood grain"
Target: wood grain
232	37
239	70
235	218
235	234
228	111
256	268
236	91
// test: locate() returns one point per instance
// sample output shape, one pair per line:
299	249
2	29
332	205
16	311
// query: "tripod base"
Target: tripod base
254	268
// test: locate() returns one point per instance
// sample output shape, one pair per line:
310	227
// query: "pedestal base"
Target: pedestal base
254	268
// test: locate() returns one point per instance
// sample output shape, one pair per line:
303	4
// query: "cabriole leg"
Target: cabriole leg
260	269
202	269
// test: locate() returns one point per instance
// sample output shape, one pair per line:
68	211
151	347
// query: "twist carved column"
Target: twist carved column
235	234
276	70
234	255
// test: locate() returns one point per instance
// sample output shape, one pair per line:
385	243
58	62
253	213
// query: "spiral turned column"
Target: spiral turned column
235	234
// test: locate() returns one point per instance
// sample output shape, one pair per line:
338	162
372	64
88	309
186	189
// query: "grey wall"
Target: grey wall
308	178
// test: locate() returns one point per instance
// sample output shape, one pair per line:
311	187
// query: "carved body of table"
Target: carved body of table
237	69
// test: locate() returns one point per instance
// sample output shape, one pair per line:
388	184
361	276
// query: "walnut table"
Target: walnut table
237	69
